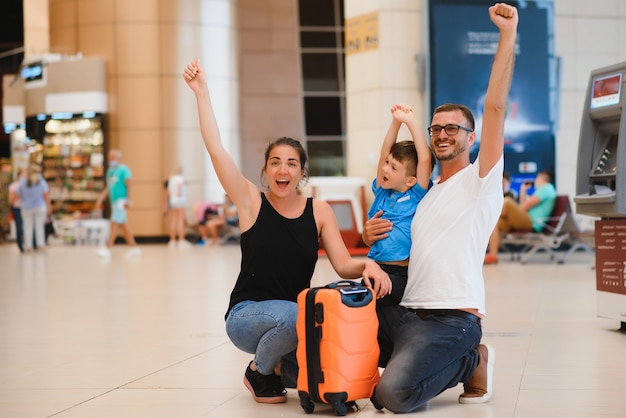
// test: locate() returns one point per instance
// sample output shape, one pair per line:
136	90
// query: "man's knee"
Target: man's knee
392	398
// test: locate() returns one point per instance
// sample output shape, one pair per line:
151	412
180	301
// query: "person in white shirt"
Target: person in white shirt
431	341
177	202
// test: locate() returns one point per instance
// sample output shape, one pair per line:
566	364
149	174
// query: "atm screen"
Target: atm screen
606	91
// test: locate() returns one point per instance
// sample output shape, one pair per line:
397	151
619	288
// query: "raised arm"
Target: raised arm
424	156
492	138
242	192
390	138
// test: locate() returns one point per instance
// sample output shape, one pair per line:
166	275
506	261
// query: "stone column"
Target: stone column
36	28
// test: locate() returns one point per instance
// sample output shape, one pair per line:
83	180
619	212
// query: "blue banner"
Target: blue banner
463	41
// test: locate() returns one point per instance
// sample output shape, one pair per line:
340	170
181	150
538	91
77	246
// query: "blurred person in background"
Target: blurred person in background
176	203
15	203
118	188
36	206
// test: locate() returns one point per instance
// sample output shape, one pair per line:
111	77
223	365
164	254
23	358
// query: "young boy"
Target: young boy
402	179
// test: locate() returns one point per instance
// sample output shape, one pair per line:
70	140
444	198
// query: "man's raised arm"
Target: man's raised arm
492	137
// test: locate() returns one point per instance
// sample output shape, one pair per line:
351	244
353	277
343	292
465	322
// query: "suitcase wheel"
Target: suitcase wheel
340	408
306	403
353	405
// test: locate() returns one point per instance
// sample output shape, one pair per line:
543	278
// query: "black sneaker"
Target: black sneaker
264	388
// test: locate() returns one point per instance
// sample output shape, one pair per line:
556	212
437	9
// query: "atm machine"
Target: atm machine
601	183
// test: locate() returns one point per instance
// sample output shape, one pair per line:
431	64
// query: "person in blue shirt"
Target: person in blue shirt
402	179
118	178
36	206
529	215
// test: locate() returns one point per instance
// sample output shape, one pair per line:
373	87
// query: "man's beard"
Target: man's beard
452	155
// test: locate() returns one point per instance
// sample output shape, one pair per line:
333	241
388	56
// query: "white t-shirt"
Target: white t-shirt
176	188
450	232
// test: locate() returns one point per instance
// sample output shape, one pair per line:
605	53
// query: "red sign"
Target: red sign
610	237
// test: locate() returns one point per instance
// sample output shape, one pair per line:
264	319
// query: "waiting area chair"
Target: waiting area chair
561	231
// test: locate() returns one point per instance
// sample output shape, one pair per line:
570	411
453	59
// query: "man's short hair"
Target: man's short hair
450	107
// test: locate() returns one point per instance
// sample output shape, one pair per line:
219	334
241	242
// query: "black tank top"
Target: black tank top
278	256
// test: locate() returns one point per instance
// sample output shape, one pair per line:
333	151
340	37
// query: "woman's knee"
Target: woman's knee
250	322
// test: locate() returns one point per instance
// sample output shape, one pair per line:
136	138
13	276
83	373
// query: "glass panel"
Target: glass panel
323	116
317	13
326	158
319	72
318	39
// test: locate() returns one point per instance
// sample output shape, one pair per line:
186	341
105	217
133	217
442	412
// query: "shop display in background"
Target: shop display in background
5	179
73	164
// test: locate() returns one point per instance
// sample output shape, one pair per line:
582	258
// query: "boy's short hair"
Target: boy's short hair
405	152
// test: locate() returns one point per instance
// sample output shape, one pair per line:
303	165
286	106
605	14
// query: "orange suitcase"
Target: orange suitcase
337	348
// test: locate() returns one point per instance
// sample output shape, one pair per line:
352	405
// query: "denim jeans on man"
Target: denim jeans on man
423	357
266	329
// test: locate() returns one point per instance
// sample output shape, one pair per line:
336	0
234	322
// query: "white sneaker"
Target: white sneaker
171	243
184	243
104	252
133	252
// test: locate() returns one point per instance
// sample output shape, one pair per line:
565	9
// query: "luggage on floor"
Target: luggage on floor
337	348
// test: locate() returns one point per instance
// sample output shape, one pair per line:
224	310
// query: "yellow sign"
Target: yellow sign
362	34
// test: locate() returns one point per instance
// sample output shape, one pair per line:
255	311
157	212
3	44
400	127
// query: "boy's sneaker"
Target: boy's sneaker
264	388
133	252
479	387
104	252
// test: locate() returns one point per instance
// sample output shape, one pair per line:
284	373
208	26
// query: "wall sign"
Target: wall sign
362	34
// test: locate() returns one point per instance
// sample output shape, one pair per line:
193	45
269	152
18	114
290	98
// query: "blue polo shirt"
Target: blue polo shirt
116	180
399	208
542	211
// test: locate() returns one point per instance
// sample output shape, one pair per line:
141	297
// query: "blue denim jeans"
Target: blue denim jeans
19	227
423	357
266	329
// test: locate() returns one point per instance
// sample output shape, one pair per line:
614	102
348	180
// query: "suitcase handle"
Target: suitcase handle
353	294
342	283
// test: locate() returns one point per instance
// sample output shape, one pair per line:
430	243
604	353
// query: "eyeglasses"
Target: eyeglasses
451	129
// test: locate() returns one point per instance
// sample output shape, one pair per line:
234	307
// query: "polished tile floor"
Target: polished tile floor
82	337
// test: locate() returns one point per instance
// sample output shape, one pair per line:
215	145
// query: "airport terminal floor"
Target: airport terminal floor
144	337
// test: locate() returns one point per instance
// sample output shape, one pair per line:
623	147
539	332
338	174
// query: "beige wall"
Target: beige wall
271	99
588	35
375	80
67	76
145	44
36	27
255	84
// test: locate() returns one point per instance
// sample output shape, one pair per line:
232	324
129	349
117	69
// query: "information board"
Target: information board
610	237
